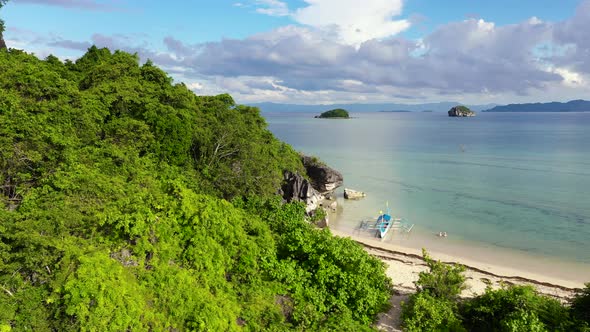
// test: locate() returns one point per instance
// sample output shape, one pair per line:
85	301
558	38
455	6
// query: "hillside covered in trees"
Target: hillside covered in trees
129	203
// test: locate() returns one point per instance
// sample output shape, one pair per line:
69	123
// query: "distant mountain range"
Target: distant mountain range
386	107
570	106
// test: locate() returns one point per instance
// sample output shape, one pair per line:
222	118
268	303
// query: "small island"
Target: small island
461	111
337	113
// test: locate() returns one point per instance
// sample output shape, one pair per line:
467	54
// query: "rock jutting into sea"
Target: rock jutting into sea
461	111
353	194
322	182
323	178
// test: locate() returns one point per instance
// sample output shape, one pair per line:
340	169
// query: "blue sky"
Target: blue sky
321	51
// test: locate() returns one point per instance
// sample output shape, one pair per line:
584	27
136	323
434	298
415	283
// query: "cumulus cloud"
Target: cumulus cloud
351	21
348	21
473	58
272	7
573	34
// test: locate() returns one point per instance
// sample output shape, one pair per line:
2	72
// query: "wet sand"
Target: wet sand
405	263
554	278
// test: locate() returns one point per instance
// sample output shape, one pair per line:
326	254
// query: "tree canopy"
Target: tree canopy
129	203
335	113
2	3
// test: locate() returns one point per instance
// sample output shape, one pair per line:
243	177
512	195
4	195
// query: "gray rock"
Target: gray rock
321	184
297	188
124	257
333	206
2	43
461	111
353	194
323	178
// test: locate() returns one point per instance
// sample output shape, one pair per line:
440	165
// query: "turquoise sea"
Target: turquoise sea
517	182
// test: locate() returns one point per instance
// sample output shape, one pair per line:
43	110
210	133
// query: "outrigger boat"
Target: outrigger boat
384	223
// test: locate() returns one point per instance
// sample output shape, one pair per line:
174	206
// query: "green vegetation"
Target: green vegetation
2	3
335	113
581	304
443	281
461	111
129	203
436	307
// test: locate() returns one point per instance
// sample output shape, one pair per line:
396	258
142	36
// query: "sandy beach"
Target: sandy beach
405	263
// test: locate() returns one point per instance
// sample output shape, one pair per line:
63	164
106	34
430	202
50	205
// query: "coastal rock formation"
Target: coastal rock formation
297	188
323	178
461	111
2	43
333	206
353	194
321	184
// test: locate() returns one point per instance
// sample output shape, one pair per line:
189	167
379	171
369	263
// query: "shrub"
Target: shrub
425	312
581	304
515	308
443	281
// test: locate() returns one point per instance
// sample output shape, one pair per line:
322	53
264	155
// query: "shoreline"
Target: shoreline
484	257
405	263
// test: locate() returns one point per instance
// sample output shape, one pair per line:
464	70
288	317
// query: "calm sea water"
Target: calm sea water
518	181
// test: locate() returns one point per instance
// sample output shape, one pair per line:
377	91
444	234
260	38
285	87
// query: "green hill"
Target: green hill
570	106
128	203
335	113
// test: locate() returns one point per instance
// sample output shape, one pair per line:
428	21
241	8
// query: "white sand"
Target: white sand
404	264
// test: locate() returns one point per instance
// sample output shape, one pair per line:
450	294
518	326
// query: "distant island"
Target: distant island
570	106
337	113
368	107
461	111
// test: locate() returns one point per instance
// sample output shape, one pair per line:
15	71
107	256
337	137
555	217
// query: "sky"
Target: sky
331	51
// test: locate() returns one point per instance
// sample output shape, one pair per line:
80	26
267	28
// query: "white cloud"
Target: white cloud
272	7
570	78
195	86
472	61
352	21
349	21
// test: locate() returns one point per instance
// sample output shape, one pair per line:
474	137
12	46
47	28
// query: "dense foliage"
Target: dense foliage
129	203
2	28
436	307
581	304
335	113
443	281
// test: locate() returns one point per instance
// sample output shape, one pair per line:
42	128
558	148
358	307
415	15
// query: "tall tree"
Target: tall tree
2	43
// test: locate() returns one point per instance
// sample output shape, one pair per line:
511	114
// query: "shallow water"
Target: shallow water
505	181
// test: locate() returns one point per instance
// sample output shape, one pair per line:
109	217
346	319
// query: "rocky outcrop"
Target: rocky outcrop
323	178
296	188
353	194
333	206
2	43
461	111
321	184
